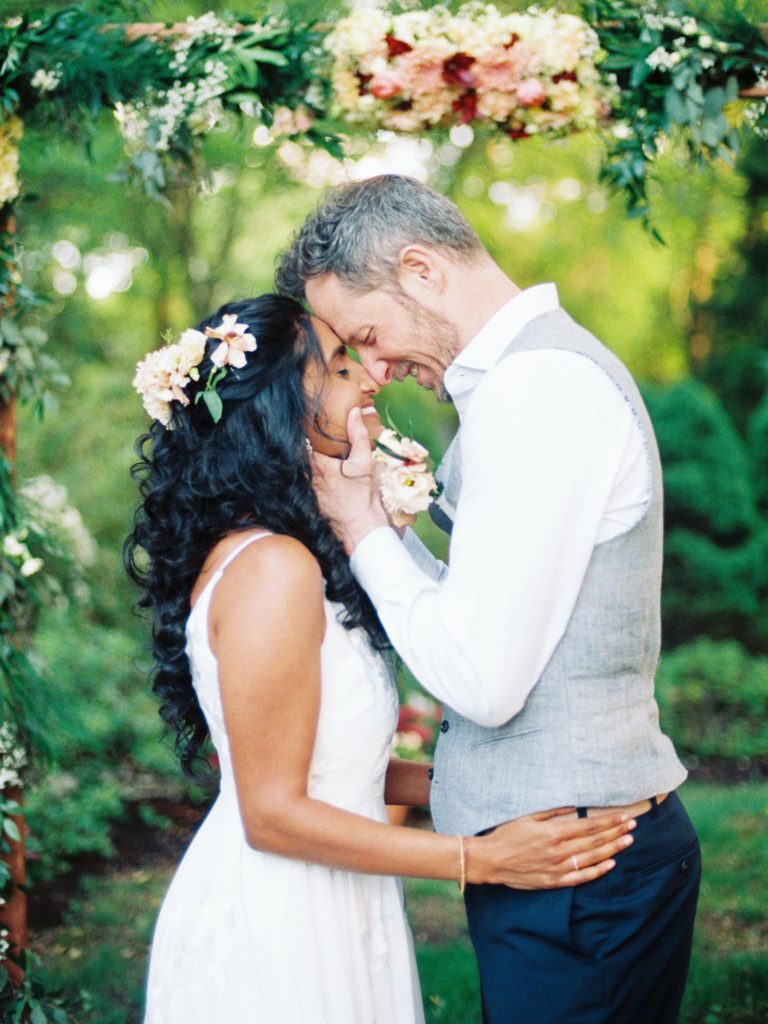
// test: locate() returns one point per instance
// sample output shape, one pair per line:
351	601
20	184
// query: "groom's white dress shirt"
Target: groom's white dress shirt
553	463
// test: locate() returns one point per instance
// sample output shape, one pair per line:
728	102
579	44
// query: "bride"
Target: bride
286	908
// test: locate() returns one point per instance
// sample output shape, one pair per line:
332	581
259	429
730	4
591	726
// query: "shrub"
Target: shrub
104	741
715	541
713	699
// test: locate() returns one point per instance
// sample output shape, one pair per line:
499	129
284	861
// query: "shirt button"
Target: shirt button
431	774
684	866
444	725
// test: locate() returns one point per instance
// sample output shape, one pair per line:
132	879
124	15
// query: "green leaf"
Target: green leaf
676	107
38	1015
731	89
640	71
262	56
11	829
714	101
214	404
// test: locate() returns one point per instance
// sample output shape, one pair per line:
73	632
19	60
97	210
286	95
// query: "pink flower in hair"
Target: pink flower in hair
235	342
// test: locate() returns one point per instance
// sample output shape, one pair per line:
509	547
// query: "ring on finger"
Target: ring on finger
575	862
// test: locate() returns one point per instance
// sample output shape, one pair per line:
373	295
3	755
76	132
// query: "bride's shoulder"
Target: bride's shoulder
282	561
271	580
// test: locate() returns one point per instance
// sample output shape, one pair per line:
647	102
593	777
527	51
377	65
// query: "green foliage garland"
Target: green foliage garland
677	76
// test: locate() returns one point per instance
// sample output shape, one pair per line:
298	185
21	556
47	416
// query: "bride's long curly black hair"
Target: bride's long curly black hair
201	481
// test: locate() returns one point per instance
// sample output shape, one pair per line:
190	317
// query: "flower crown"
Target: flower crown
162	376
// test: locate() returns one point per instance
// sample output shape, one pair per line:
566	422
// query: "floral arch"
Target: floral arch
639	75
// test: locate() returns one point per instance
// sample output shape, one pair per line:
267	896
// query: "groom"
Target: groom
541	636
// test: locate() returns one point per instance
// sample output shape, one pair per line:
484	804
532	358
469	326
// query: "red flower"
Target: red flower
397	46
456	70
363	80
514	38
465	106
565	76
518	133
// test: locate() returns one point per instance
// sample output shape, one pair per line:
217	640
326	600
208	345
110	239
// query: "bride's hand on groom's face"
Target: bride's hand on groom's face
544	851
348	490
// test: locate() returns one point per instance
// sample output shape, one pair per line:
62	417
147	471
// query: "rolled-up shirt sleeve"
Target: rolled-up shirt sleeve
542	443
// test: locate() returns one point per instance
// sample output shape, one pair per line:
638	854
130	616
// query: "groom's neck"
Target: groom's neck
479	291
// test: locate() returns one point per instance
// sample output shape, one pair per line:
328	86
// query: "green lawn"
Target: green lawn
101	948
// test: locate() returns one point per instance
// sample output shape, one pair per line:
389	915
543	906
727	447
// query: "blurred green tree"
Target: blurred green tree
716	541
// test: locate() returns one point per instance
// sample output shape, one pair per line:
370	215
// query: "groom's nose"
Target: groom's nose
378	369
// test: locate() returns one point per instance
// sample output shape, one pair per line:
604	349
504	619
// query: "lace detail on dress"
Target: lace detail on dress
378	929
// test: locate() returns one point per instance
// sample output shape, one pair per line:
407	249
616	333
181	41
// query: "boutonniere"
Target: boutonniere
407	485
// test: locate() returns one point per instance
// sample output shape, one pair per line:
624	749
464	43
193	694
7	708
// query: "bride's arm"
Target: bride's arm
266	626
407	783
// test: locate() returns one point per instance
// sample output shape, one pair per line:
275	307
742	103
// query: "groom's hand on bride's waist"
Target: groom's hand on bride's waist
348	490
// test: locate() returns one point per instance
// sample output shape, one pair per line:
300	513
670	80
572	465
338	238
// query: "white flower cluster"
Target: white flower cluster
194	104
15	548
162	375
407	486
208	28
529	72
46	80
13	757
683	23
756	111
665	58
48	504
10	137
4	944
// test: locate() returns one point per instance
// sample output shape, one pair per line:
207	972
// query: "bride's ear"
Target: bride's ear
421	272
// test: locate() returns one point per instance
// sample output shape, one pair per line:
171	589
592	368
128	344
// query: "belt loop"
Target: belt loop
581	811
654	805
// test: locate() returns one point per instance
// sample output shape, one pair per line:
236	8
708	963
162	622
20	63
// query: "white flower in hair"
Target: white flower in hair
162	376
235	342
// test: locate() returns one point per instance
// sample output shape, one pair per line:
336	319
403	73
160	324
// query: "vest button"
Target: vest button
444	725
684	866
431	774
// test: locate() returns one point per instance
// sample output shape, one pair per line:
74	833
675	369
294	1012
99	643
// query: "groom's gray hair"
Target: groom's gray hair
359	229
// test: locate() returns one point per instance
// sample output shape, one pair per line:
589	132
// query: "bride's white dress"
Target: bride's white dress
247	937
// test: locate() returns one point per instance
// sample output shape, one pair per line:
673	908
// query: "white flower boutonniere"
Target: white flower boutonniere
407	485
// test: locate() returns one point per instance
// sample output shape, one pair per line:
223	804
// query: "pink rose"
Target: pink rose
531	93
385	85
502	68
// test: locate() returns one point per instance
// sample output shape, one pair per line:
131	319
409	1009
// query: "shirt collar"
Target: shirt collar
490	343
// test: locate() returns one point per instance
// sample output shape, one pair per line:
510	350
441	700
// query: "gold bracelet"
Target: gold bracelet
463	863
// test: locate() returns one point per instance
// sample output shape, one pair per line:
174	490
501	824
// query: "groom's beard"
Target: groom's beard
433	334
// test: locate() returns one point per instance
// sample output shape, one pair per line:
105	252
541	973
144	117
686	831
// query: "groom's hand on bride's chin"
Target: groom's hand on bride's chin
348	489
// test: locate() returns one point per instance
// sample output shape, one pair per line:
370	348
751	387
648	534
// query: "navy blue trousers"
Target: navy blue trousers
613	951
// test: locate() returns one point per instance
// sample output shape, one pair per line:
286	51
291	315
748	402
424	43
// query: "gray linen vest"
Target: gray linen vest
589	733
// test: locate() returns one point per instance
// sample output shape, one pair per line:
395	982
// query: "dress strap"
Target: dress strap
204	596
240	547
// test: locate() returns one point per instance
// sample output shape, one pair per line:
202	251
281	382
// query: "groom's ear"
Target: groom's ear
421	272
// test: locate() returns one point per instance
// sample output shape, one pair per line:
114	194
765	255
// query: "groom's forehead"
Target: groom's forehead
347	312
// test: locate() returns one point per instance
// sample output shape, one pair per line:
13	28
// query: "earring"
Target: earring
308	446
